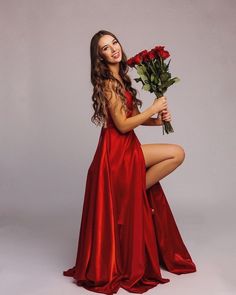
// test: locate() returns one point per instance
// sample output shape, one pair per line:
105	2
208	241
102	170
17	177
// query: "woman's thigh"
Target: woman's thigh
158	152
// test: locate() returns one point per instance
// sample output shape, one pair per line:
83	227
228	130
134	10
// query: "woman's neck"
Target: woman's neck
115	69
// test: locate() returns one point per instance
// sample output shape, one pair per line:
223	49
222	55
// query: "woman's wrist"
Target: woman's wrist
158	121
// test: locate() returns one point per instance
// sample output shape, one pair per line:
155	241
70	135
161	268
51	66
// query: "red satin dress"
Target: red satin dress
126	231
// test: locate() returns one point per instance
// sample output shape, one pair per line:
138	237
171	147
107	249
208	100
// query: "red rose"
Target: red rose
144	55
137	59
130	62
152	54
164	54
161	52
159	48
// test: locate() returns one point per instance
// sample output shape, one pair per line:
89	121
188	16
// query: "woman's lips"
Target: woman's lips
117	55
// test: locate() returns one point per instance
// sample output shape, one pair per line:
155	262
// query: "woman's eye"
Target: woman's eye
113	43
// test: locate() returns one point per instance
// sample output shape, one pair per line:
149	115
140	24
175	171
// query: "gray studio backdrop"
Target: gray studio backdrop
48	141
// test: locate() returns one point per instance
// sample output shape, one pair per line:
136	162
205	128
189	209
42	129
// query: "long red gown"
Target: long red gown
126	231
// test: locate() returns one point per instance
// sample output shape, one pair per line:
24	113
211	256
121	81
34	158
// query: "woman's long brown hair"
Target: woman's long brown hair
100	72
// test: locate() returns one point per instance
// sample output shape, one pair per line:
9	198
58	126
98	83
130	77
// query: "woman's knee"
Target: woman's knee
179	154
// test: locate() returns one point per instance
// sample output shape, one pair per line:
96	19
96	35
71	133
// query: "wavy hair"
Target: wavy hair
100	73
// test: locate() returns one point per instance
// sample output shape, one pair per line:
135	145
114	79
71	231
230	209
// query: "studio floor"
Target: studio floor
35	251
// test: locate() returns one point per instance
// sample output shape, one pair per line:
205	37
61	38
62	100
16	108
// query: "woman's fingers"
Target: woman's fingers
166	115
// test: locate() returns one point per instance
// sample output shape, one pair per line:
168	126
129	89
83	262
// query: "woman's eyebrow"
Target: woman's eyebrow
107	44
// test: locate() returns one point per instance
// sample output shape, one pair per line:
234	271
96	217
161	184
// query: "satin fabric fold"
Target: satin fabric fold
126	232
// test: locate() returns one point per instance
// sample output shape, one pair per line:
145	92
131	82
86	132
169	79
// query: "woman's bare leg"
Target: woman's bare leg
161	159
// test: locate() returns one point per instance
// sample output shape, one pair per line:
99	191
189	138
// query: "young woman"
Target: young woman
127	228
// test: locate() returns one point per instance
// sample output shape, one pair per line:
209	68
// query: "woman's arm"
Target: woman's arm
118	115
150	121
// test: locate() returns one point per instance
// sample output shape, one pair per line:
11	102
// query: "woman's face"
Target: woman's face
110	49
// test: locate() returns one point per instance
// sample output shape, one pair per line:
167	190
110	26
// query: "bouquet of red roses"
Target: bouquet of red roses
153	73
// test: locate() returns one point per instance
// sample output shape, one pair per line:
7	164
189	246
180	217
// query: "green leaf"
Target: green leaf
167	66
143	67
143	77
140	70
164	77
176	79
169	83
154	87
146	87
159	82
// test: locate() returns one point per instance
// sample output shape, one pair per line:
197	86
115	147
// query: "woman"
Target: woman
127	228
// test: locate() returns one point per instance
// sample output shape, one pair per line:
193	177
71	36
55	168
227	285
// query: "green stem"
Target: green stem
152	67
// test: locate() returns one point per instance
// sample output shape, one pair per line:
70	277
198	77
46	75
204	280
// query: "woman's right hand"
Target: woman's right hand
159	104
